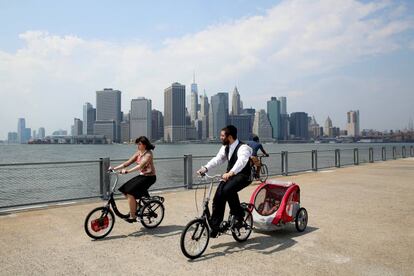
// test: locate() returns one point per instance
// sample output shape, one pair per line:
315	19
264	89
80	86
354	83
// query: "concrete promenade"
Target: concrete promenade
361	222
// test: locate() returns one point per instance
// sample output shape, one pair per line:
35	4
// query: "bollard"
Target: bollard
337	158
394	152
284	157
403	153
356	157
314	157
188	171
412	151
104	178
384	154
371	155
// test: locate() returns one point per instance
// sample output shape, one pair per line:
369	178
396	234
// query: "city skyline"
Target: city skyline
326	58
109	110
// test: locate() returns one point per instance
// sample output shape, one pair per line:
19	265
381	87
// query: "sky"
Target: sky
327	57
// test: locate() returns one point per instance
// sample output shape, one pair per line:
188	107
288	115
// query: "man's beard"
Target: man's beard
225	142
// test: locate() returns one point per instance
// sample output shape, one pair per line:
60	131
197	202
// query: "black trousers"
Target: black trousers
227	192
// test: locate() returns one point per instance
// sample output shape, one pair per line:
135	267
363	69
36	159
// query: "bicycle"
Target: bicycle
100	221
196	234
264	173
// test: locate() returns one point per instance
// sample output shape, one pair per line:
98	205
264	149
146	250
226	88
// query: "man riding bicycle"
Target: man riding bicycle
237	177
256	145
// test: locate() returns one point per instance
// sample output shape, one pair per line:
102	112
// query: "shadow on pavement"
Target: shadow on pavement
265	243
159	232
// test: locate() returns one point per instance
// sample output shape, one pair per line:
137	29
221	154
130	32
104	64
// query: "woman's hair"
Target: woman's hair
144	140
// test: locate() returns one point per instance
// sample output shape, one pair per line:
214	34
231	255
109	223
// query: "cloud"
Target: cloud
52	76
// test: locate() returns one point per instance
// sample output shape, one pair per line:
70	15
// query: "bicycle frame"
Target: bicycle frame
111	200
206	209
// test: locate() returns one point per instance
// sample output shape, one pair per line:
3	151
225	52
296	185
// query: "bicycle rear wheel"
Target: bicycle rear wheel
264	173
195	238
99	222
242	234
152	213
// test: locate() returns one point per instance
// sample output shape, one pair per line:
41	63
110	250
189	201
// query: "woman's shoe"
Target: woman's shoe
131	220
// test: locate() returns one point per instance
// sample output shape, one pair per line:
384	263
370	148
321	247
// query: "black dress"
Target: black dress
138	186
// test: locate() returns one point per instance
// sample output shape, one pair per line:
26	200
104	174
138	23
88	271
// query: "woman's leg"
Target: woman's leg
132	206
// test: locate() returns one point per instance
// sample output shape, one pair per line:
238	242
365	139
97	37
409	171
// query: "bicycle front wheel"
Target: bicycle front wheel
99	222
195	238
152	214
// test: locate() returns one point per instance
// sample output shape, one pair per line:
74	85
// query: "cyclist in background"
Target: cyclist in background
256	145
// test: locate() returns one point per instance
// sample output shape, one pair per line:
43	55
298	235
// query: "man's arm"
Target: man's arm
262	149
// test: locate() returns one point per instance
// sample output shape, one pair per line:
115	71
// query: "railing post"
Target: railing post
412	151
394	152
384	154
188	171
314	160
356	156
371	155
403	153
338	158
104	178
284	157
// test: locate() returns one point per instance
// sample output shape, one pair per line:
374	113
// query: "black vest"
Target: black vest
246	170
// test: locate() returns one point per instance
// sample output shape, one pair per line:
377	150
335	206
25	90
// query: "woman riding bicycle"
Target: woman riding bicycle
138	186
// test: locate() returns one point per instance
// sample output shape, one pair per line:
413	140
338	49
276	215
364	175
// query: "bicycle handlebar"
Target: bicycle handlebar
113	171
205	175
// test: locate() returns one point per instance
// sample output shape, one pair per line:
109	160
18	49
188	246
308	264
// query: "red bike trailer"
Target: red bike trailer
276	203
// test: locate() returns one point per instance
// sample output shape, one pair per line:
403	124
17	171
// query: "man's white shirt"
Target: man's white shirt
243	156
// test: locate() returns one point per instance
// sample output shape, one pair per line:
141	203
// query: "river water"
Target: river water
35	182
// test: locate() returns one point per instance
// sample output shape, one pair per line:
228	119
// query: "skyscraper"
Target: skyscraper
273	111
219	112
89	118
21	125
204	116
262	126
314	128
106	128
41	133
299	125
157	125
141	118
235	102
352	125
23	133
125	132
243	125
194	100
174	113
284	126
108	108
77	127
327	130
12	138
283	105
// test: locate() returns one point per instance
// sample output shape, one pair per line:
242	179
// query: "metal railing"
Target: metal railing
37	183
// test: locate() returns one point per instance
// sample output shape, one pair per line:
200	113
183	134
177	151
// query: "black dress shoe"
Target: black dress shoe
213	233
238	223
